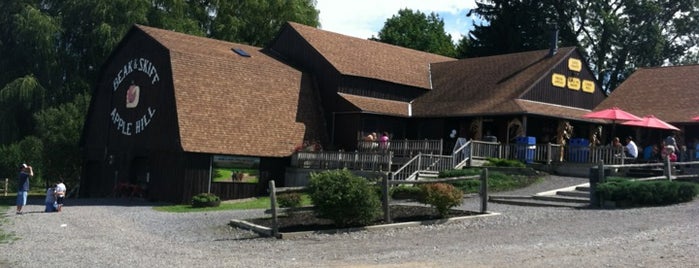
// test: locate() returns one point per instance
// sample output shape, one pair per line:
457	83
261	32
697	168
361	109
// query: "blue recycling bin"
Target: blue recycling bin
526	147
578	150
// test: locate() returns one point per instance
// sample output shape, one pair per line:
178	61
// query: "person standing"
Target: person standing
60	194
383	141
631	150
25	172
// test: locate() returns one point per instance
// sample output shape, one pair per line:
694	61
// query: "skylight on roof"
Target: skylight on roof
240	52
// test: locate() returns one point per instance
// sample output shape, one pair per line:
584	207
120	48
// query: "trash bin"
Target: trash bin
526	147
578	150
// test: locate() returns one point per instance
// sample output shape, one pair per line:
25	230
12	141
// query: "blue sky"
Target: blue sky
364	18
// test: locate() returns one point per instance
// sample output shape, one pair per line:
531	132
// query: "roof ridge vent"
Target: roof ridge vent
240	52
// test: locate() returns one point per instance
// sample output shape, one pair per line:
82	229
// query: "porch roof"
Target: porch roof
377	106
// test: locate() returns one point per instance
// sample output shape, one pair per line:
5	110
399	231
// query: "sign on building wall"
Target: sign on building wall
130	114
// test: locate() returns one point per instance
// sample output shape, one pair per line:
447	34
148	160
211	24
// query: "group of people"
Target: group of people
630	149
55	194
373	141
666	148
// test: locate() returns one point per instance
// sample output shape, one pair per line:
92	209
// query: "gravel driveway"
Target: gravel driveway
123	233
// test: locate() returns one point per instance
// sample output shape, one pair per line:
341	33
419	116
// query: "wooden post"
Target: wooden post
668	168
6	185
484	191
386	199
548	153
273	205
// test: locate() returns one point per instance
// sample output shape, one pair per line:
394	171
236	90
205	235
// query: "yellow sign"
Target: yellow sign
588	86
558	80
574	83
574	65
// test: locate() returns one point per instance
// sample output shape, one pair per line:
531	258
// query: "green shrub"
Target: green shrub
406	192
442	196
647	193
289	200
205	200
344	198
497	181
499	162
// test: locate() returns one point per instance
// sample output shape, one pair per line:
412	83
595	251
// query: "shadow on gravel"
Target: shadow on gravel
75	202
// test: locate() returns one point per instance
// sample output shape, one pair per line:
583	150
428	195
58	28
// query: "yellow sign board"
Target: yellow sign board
588	86
574	83
574	65
558	80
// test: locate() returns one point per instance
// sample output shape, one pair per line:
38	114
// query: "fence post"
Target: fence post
386	199
548	153
273	201
484	191
594	180
668	168
6	185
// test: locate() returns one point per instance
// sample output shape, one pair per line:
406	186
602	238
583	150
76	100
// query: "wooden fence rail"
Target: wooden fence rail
386	183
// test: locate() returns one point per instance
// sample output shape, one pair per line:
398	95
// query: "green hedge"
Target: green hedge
628	193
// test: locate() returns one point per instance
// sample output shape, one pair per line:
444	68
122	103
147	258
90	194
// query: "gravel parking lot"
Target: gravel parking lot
129	233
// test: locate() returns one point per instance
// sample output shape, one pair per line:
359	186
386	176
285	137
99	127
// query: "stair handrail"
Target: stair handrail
412	166
461	155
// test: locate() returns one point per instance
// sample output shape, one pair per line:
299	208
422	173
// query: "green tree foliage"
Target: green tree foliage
414	29
617	36
57	128
255	22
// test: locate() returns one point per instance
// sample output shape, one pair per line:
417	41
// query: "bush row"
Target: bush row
646	193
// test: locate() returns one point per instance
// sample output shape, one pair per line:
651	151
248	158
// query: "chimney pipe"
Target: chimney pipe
553	46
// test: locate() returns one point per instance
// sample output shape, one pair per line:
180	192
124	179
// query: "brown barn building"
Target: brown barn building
170	108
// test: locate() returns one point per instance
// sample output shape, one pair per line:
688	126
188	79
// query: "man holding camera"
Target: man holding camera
25	172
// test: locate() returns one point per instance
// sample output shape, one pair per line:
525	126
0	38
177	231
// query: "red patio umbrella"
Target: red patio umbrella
614	114
651	122
696	118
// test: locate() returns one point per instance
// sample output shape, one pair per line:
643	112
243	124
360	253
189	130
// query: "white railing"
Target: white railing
485	150
402	148
422	162
462	155
375	161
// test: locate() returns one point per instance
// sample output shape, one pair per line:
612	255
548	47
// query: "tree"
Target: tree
59	129
256	22
417	31
617	37
516	26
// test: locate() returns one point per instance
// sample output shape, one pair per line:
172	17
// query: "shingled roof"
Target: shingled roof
492	85
668	93
230	104
378	106
371	59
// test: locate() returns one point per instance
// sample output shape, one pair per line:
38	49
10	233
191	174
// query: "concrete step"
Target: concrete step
584	194
556	198
583	188
535	203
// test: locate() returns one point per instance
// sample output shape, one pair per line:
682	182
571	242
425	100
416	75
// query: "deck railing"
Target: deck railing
402	148
422	162
374	161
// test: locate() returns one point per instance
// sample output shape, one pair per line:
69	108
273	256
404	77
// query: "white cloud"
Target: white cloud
364	18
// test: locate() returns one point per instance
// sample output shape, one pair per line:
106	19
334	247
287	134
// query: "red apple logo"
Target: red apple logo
132	96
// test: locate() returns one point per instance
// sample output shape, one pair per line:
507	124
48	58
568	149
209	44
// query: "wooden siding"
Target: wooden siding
544	91
378	89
